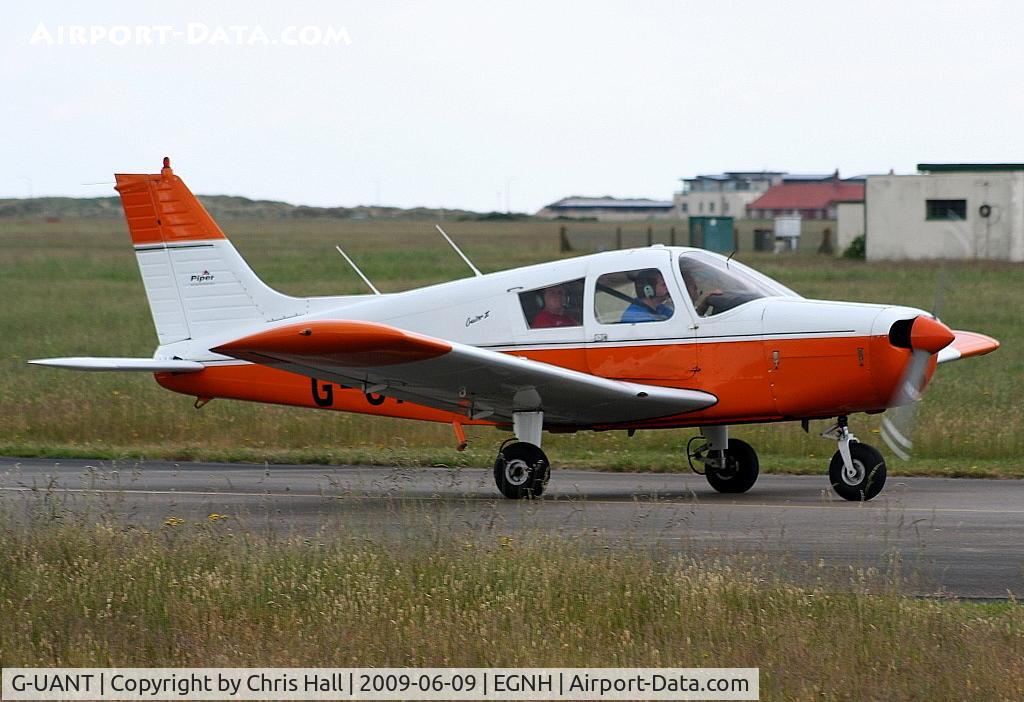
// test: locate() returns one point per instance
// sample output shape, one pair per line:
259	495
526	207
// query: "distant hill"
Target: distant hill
228	207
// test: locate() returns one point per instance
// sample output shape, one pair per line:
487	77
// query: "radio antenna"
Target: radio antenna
469	263
356	269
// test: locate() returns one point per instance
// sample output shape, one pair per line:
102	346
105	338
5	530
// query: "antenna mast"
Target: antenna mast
356	269
469	263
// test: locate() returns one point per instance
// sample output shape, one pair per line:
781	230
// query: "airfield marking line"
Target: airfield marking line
197	493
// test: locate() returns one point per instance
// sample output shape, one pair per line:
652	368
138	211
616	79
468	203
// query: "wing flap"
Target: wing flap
476	382
966	344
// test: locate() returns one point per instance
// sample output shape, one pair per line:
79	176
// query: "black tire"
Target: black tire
521	470
740	471
868	477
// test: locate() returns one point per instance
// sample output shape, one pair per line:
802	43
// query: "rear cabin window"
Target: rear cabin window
558	305
631	297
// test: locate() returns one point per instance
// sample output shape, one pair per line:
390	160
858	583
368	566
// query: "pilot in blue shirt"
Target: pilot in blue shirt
652	303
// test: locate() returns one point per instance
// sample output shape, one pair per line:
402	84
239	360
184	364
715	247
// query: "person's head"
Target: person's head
650	285
554	299
692	289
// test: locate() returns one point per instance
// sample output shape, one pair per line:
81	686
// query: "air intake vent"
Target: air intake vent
899	333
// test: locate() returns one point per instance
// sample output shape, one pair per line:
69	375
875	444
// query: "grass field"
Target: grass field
75	592
73	288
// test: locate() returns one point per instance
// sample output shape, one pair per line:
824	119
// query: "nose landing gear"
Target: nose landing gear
857	471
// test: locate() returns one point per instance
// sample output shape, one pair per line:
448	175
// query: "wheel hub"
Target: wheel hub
854	475
517	471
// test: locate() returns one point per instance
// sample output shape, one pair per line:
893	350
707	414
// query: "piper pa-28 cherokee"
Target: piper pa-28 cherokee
651	338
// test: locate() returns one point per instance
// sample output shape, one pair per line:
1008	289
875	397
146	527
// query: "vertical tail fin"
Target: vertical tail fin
196	282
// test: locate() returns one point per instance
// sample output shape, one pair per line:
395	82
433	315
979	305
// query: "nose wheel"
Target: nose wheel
863	479
857	471
521	470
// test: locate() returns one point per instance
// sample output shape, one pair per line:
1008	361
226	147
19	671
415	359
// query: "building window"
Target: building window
711	207
945	209
725	207
685	207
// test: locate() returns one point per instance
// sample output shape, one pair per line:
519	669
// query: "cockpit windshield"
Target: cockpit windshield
716	285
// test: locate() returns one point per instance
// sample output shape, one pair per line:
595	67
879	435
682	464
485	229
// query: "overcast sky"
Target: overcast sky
465	104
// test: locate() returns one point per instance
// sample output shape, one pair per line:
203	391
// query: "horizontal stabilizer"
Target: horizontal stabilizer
145	365
966	344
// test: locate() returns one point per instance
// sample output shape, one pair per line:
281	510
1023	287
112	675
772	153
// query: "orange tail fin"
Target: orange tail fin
161	209
197	284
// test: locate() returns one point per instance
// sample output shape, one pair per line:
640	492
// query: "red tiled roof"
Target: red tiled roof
807	196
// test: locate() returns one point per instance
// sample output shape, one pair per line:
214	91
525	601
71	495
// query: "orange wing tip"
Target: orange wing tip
973	344
966	344
347	343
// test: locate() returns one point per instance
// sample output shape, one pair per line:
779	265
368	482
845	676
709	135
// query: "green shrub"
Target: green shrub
856	249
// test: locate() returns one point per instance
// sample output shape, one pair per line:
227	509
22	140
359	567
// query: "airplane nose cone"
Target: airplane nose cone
929	334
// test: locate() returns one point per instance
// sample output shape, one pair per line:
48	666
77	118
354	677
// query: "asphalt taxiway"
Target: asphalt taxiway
941	536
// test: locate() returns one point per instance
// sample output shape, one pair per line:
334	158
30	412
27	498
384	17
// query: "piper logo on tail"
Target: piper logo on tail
200	278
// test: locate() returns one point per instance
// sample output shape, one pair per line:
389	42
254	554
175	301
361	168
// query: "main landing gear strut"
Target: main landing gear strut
730	465
521	468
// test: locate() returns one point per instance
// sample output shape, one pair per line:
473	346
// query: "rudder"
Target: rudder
196	281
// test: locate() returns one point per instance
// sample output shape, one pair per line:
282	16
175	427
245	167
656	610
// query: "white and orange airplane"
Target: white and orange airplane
651	338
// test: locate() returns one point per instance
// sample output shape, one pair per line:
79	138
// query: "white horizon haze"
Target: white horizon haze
490	106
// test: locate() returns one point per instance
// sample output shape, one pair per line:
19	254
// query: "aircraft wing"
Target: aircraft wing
966	344
478	383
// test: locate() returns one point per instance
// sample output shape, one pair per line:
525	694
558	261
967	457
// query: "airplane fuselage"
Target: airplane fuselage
772	358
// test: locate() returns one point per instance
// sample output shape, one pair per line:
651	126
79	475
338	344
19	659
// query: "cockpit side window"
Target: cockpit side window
629	297
558	305
718	286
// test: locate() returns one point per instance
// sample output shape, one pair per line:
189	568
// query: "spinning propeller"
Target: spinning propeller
924	336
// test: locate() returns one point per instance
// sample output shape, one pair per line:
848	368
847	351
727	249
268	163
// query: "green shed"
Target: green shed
713	234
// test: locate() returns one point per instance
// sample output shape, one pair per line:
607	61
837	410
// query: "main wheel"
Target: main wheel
739	472
521	470
867	477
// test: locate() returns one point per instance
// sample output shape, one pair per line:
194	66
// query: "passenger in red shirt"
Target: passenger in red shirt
553	314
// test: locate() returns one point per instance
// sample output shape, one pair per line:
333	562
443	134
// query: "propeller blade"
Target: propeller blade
898	423
894	423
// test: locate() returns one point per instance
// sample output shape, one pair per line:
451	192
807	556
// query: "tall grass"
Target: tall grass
73	288
80	594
